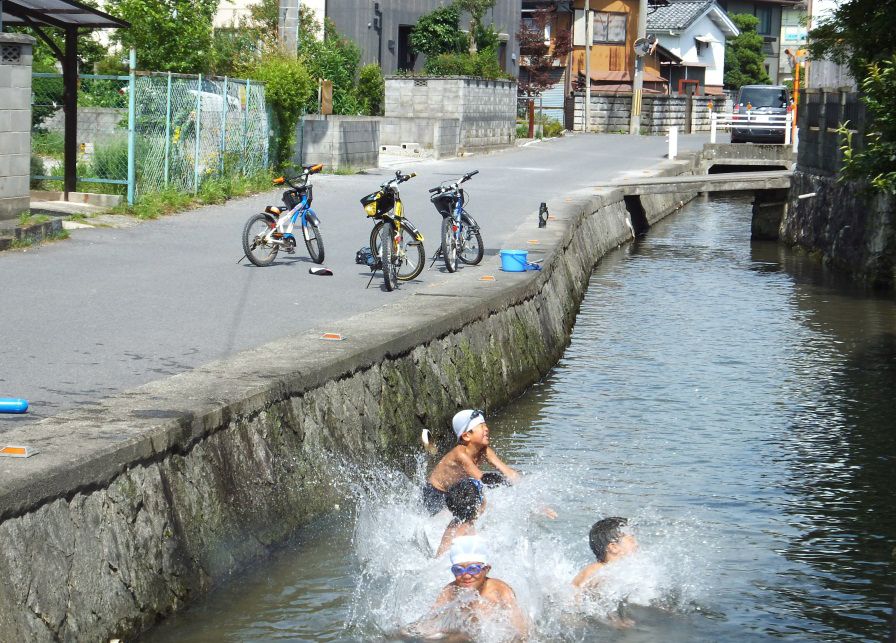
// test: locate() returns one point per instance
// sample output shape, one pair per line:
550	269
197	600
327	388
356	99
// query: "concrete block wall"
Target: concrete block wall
485	108
341	141
99	125
611	112
15	123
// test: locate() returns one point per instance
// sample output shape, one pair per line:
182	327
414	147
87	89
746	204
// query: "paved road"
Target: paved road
111	309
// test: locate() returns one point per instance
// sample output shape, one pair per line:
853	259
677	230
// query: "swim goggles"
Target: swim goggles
472	569
473	416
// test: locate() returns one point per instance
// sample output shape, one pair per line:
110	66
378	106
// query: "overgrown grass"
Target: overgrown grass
152	205
26	218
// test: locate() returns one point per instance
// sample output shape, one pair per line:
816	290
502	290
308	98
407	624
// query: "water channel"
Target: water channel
734	400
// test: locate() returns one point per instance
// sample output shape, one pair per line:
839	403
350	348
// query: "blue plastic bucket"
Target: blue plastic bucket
513	260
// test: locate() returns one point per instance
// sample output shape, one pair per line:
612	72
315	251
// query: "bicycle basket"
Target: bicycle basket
378	203
291	198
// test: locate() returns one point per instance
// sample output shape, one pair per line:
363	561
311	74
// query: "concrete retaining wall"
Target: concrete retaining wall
138	504
340	141
486	109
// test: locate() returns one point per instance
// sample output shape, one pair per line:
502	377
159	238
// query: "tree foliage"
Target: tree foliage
744	60
857	33
476	9
175	35
288	87
541	57
333	58
438	32
877	159
371	89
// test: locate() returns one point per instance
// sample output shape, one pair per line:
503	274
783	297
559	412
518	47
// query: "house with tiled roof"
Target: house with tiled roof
690	49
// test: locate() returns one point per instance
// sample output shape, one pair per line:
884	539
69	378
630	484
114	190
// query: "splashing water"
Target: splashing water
399	577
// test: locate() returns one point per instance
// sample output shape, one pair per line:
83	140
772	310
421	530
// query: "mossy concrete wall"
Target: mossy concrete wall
138	504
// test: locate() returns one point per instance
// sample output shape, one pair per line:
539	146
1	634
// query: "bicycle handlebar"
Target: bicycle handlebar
455	185
307	171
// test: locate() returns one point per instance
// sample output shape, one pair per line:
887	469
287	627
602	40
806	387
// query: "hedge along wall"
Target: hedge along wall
138	504
486	108
611	112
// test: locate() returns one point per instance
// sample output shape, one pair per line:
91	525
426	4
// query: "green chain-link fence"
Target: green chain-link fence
187	129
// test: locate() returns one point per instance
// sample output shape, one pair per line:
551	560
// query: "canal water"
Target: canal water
734	400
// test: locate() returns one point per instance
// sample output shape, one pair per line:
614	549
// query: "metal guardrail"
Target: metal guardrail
752	120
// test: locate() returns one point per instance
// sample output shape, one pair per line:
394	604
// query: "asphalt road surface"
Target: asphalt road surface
113	308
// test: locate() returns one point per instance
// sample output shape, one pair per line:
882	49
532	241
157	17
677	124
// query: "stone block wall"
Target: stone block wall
15	123
340	141
485	108
99	125
611	112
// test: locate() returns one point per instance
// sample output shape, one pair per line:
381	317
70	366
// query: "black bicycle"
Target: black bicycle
460	238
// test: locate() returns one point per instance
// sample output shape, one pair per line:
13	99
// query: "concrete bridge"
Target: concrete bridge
727	182
765	170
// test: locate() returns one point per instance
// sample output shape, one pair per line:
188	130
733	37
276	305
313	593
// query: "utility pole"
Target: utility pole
638	80
589	36
289	25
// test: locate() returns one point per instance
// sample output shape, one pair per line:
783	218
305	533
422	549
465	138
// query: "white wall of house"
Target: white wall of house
230	11
711	49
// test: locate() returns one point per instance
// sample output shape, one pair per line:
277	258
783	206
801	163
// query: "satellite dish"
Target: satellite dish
644	46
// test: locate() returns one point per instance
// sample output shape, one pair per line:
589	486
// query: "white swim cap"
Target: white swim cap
468	549
466	420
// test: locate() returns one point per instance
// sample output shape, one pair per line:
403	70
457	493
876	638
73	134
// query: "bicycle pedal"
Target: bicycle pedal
289	248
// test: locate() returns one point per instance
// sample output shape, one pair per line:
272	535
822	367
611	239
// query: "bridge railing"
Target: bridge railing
751	120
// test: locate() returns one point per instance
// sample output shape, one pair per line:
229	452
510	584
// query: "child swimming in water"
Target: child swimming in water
473	598
464	460
611	540
466	503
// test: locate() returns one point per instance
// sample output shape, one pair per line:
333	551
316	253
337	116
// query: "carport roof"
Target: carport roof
63	14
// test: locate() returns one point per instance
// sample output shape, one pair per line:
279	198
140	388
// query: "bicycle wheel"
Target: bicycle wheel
449	244
471	250
387	257
314	242
259	251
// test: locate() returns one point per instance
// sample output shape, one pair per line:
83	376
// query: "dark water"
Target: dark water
736	401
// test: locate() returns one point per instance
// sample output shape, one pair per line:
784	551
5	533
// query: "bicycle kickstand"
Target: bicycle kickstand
372	275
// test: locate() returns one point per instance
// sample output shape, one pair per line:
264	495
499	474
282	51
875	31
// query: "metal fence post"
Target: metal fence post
132	120
224	110
168	129
197	134
246	127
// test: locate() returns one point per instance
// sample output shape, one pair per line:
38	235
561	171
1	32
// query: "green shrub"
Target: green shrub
483	63
371	89
37	169
288	87
48	143
110	161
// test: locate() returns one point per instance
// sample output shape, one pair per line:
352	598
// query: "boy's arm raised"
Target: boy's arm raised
498	464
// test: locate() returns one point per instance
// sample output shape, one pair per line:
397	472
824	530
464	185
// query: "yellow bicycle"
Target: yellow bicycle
395	243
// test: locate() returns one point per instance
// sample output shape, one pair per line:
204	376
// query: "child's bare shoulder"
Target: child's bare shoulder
584	577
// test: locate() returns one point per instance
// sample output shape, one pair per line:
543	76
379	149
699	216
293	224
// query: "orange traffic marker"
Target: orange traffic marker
336	337
17	452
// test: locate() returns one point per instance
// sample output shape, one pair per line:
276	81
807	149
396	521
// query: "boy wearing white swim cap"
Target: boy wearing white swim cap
464	459
469	564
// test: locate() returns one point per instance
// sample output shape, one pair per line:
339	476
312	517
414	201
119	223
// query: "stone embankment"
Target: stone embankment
845	225
136	505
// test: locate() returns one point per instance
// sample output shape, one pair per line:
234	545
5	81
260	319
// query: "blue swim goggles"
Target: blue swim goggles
475	414
472	569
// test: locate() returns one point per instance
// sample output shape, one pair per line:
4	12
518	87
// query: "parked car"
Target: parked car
764	104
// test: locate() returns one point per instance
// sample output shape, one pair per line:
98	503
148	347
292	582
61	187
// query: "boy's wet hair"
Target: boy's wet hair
463	500
604	532
494	479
